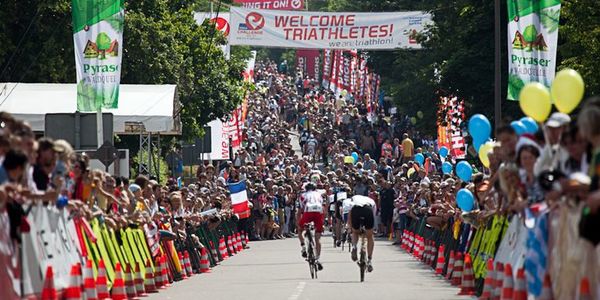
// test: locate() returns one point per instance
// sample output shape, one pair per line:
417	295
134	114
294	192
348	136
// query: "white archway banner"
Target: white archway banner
326	30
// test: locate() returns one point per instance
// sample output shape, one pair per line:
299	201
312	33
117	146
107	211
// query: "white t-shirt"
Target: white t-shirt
312	201
362	201
347	205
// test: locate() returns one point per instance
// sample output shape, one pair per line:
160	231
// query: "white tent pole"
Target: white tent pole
99	127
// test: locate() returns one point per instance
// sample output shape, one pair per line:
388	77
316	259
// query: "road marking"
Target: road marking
299	290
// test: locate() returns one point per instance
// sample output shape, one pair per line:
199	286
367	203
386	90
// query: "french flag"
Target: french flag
239	199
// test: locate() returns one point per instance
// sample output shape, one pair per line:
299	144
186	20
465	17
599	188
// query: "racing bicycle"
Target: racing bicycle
362	260
310	250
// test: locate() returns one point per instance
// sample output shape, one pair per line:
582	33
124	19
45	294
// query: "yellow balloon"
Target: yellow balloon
534	100
410	172
348	160
567	90
483	153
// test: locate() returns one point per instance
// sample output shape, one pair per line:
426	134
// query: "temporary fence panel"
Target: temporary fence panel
514	245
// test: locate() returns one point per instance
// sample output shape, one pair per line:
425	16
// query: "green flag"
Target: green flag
98	38
532	43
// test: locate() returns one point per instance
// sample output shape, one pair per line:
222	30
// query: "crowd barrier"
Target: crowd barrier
58	249
511	257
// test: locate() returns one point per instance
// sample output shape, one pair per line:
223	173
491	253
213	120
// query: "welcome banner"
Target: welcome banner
98	43
533	40
326	30
272	4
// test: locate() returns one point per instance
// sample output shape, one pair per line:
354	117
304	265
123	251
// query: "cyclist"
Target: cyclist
312	208
361	214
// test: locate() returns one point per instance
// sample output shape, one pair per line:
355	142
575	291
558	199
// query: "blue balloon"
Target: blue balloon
465	200
447	167
419	158
464	171
480	128
519	127
355	156
443	152
530	124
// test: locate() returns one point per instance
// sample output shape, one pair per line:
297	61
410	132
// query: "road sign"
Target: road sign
107	154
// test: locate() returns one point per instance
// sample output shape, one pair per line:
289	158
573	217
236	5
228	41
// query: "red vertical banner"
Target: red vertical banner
327	58
333	81
309	61
353	72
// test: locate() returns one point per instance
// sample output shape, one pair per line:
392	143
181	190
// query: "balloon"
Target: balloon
355	156
410	172
419	158
567	90
344	93
443	152
519	127
413	120
348	160
480	128
447	167
483	153
465	200
477	144
464	171
534	100
420	114
530	125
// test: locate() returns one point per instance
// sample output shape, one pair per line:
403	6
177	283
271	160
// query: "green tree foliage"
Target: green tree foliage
158	164
162	45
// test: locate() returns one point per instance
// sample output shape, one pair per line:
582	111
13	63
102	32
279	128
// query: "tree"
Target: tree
162	45
103	44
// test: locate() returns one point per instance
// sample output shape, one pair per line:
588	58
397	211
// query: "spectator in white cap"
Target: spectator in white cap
553	154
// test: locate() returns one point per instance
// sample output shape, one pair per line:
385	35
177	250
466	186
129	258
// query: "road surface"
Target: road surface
275	270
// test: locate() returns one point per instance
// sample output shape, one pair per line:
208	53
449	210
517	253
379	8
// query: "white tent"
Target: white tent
152	105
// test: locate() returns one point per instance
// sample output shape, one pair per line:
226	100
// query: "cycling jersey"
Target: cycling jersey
362	201
312	201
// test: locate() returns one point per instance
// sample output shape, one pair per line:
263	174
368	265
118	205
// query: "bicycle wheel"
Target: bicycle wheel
363	265
313	270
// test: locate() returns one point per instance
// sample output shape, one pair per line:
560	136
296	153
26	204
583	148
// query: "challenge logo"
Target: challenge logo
222	25
254	21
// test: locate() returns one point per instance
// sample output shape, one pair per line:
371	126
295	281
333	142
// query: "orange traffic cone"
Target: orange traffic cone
118	289
497	293
468	280
49	292
188	264
508	284
102	282
73	291
584	289
223	249
149	284
138	281
450	266
441	261
411	242
165	272
247	239
238	242
213	252
89	284
546	289
129	286
182	263
158	274
230	246
489	282
204	263
457	272
520	292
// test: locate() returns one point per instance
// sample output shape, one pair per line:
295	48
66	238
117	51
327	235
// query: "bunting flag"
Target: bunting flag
333	82
239	199
327	58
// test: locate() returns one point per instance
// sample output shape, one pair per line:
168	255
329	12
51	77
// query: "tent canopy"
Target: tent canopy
152	105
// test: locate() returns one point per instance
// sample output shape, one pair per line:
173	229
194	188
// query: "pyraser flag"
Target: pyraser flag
98	44
532	43
326	30
239	199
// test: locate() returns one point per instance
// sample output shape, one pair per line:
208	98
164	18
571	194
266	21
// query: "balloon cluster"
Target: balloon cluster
566	91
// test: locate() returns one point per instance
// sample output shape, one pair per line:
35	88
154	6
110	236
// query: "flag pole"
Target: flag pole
497	67
99	127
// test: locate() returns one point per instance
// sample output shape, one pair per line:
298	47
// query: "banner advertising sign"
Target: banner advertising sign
326	30
221	22
533	40
309	61
219	141
327	57
98	43
272	4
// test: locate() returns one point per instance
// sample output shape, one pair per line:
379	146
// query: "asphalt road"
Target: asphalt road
275	270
